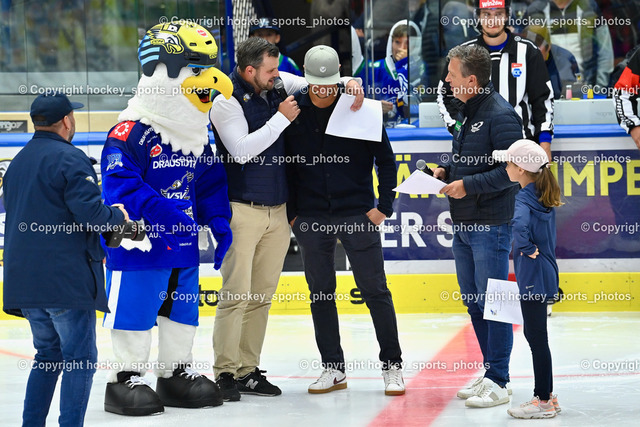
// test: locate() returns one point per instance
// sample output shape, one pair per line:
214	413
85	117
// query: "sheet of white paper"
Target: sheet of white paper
366	123
502	302
420	183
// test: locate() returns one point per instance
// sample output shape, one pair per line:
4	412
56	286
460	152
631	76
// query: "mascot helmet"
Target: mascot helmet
177	46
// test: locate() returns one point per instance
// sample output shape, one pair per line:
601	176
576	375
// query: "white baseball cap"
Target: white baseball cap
322	66
524	153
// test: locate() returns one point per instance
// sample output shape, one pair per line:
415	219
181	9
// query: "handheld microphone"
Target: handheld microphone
422	165
279	87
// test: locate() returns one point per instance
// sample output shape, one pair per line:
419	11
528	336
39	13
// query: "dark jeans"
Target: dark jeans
65	341
361	241
534	314
480	255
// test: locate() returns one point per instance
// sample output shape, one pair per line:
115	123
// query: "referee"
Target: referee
518	73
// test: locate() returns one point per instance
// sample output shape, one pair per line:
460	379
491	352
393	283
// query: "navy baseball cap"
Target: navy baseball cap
263	24
52	107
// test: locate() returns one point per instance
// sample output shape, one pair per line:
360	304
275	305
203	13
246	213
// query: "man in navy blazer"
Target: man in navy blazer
53	272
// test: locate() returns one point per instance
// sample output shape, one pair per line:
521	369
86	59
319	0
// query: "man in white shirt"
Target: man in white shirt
248	129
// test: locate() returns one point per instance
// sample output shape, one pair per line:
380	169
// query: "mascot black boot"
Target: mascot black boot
188	389
178	384
127	392
131	395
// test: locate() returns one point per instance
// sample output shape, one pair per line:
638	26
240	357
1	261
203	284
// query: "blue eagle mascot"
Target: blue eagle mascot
158	162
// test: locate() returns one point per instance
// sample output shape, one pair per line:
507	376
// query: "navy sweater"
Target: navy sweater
332	176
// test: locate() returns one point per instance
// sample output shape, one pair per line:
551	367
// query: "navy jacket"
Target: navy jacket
484	123
332	176
534	225
52	256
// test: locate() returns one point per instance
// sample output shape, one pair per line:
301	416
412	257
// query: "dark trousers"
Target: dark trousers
534	314
361	240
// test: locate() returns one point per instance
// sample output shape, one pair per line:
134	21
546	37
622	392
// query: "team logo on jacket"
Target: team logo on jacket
476	126
114	161
121	131
516	69
156	150
178	190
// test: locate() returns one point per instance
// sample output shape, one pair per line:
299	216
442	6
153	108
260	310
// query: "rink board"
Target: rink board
437	293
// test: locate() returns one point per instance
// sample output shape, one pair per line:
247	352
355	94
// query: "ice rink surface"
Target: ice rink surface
596	358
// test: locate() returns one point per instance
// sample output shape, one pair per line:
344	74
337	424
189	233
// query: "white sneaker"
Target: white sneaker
534	409
474	389
491	394
330	380
393	382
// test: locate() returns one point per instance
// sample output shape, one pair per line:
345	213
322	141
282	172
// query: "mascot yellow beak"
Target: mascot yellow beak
199	88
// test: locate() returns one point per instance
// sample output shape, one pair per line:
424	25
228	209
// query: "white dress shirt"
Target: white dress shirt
228	118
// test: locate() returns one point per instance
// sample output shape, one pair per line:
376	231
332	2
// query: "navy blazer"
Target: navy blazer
52	252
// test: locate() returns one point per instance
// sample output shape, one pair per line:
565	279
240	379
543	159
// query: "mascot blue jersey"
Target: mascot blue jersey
175	194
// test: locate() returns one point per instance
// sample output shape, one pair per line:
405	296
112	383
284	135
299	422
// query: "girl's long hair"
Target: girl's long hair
547	187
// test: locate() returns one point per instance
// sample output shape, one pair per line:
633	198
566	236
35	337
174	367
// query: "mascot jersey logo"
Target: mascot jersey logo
173	193
121	131
115	160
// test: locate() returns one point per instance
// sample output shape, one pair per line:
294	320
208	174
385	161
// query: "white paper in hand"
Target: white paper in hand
420	183
502	302
366	123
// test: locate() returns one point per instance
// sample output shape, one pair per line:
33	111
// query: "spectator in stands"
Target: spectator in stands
574	25
266	29
389	78
561	64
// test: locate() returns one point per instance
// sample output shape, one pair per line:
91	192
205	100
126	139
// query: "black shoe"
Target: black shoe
188	389
228	387
256	383
131	395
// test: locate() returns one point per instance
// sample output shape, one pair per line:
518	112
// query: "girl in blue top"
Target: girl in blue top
534	246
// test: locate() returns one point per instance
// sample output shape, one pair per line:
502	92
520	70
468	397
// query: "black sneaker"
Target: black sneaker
256	383
228	387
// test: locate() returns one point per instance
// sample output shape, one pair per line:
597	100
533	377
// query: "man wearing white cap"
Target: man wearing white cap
331	197
248	131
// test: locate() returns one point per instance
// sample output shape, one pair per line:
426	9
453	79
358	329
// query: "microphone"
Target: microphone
279	87
422	165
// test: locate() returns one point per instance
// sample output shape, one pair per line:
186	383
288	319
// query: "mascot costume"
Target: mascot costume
158	162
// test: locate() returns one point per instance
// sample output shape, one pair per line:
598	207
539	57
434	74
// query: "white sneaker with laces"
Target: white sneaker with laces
330	380
474	389
491	394
393	382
